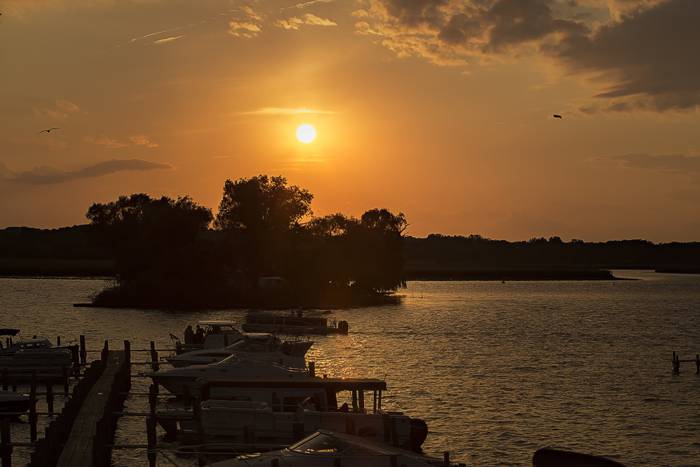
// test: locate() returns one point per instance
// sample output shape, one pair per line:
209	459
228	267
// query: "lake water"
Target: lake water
497	370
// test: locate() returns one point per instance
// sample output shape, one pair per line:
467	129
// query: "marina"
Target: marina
430	394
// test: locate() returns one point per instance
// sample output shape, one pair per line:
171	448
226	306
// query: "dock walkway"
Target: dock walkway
78	450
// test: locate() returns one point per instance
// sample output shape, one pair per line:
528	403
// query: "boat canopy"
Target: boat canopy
334	384
8	332
218	323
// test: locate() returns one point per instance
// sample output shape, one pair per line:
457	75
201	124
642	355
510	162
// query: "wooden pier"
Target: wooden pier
79	449
676	362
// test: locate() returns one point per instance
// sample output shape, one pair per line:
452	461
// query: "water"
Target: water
497	370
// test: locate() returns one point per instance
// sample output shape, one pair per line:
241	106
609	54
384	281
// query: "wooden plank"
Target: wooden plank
78	449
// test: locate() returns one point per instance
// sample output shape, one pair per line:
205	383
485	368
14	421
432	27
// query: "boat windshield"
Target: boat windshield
321	443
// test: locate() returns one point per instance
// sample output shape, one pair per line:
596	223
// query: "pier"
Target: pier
676	362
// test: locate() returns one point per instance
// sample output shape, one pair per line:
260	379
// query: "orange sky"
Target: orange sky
441	109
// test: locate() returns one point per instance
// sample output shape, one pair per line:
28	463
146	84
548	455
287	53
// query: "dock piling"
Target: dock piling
154	356
49	398
393	461
151	434
4	379
66	380
446	458
6	443
83	350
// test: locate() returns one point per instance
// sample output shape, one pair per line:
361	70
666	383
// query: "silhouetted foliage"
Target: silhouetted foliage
166	255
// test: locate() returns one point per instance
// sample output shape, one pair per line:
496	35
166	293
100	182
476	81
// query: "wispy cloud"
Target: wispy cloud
167	40
295	22
113	143
308	4
143	140
45	175
60	109
679	163
247	23
287	111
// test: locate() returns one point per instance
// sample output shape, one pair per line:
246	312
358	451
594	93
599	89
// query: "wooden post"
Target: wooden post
337	462
58	341
312	369
178	347
49	398
676	364
76	359
6	443
83	350
151	433
393	461
4	379
66	381
697	364
152	399
154	356
127	352
105	352
33	418
361	393
446	458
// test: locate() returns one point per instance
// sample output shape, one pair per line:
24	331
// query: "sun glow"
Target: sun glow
306	133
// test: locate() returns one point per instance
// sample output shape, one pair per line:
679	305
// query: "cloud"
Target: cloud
641	52
668	163
309	19
112	143
44	175
60	110
106	142
142	140
648	58
287	111
167	40
247	24
310	3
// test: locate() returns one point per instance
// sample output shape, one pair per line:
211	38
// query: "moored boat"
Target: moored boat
13	403
294	324
326	448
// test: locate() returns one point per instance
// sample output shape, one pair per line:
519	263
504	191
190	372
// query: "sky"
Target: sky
440	109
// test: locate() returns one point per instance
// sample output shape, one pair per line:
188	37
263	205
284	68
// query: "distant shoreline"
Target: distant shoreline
104	269
512	275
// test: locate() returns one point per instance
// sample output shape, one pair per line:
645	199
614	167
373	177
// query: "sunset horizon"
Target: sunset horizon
443	110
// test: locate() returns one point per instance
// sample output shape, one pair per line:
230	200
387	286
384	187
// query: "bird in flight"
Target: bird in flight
49	130
557	116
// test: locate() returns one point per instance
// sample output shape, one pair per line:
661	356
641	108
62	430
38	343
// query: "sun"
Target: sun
306	133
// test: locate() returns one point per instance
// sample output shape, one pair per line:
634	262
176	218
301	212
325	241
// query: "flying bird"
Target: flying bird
49	130
557	116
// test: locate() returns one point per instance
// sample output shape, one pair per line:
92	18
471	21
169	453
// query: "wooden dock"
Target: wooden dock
78	450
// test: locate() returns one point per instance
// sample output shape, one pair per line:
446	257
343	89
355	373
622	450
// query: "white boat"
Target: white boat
35	354
253	366
283	418
327	448
250	345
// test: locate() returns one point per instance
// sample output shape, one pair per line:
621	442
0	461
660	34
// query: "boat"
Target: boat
326	448
294	323
279	412
189	380
35	354
289	353
12	403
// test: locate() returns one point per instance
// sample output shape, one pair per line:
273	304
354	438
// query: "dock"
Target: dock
80	446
